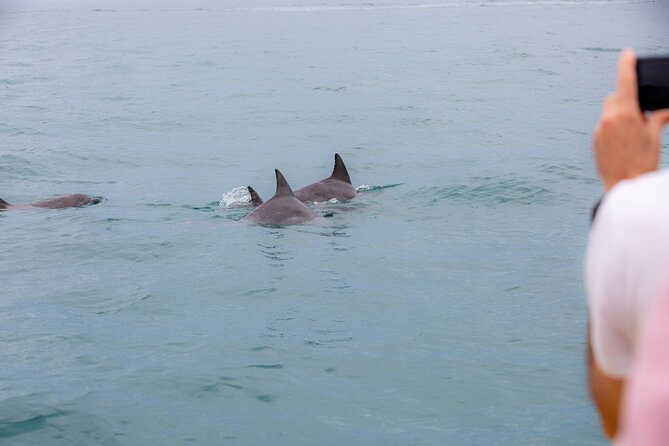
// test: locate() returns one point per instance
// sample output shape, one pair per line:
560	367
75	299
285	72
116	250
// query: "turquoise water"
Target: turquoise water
442	306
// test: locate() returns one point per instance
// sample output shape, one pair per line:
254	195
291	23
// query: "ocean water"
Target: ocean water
444	305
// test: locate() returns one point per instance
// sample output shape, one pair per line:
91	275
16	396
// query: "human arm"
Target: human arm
605	391
627	142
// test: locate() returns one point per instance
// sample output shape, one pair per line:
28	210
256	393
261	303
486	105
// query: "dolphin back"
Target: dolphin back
3	204
337	186
283	208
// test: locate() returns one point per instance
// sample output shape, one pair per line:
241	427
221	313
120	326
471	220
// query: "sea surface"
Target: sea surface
443	306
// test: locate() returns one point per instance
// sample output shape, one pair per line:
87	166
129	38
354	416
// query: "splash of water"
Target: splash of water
237	197
366	187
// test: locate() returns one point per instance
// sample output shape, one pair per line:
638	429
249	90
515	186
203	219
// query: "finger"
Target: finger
609	105
610	101
657	121
627	88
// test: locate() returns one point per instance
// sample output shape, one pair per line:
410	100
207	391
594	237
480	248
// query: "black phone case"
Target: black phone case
653	83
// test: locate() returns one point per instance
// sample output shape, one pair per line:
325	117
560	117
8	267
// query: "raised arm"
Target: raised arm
627	142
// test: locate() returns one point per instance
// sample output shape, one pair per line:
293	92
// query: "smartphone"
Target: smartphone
652	75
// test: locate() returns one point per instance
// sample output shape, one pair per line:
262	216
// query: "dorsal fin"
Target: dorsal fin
3	204
339	172
282	186
255	198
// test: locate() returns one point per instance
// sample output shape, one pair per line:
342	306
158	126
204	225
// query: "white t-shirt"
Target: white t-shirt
627	264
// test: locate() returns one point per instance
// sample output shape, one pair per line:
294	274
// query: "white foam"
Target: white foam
239	196
330	201
367	187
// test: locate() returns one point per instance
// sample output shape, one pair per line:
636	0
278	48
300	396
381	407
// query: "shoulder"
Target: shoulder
631	231
639	199
634	210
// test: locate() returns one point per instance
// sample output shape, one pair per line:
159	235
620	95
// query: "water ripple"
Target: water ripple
490	191
16	421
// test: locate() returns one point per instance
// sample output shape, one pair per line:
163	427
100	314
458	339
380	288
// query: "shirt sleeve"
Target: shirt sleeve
605	275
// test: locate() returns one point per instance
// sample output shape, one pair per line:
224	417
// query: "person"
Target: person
645	411
628	249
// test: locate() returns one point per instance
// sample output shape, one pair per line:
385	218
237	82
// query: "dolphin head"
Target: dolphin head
67	201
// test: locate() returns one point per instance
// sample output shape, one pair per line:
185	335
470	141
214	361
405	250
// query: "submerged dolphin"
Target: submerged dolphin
283	208
66	201
338	186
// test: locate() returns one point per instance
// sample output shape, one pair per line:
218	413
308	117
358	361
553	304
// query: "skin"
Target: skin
606	392
627	142
626	145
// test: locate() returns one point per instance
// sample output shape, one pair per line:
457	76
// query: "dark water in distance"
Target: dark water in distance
446	309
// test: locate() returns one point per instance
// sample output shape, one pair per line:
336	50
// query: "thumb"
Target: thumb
657	121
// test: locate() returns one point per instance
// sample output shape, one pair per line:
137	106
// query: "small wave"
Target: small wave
603	50
545	72
265	366
370	188
211	207
436	5
491	191
17	167
329	88
18	419
561	172
353	7
22	427
330	201
237	197
260	292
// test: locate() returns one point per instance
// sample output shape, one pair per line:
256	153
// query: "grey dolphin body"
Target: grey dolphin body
66	201
338	186
283	208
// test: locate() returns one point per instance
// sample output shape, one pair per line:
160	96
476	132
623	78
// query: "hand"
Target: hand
627	143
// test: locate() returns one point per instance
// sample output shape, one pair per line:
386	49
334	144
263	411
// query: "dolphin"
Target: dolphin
65	201
255	198
283	208
338	186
